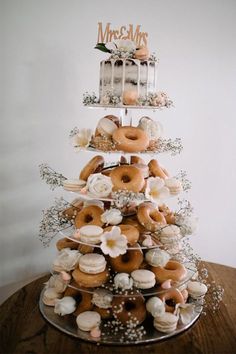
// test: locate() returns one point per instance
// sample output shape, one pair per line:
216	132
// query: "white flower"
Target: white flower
124	45
153	129
185	312
65	306
113	243
159	99
81	139
187	224
99	185
156	190
112	217
123	281
56	281
67	260
155	306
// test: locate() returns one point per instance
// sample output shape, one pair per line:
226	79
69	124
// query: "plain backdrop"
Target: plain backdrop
48	61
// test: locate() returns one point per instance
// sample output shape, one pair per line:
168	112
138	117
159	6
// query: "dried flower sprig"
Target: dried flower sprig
110	99
90	99
51	177
185	208
124	198
53	221
185	182
168	145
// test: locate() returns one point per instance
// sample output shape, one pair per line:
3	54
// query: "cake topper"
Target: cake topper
123	32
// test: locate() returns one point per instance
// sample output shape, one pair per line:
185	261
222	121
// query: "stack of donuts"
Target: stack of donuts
111	135
119	264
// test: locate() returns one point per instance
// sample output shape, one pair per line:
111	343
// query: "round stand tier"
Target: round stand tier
68	325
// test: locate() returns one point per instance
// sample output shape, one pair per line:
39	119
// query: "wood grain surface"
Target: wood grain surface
23	329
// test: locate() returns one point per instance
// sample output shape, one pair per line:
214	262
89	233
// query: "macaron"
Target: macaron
196	289
174	185
92	263
88	320
73	185
143	278
166	323
90	234
169	234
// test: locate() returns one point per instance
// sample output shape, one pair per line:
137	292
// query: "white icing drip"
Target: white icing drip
102	73
123	76
112	75
138	79
148	82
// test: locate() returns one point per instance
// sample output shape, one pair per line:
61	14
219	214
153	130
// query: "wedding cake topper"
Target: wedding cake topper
108	34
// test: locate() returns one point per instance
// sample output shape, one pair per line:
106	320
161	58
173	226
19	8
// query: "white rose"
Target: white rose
65	306
153	129
67	260
111	217
99	185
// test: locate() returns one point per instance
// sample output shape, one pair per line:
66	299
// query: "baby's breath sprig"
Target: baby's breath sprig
51	177
186	183
73	132
168	145
185	208
124	198
53	221
90	99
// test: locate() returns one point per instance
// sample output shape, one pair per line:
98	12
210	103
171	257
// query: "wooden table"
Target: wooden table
23	329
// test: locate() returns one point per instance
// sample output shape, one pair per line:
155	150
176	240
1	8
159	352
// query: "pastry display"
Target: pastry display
124	270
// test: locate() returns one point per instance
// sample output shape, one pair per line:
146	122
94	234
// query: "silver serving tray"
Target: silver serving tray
67	324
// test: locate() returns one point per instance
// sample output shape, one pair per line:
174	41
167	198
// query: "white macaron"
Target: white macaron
196	289
166	323
92	263
88	320
143	278
90	234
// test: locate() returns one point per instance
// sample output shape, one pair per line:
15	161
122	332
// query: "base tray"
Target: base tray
67	324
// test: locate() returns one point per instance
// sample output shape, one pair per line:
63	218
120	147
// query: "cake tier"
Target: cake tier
119	75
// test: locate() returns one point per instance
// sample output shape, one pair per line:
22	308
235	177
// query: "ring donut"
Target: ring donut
90	280
95	165
90	215
150	217
132	220
156	170
127	178
71	212
129	231
129	309
130	139
82	298
171	297
168	214
172	270
66	243
136	159
127	262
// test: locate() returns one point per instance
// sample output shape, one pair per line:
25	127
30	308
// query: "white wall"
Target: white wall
48	62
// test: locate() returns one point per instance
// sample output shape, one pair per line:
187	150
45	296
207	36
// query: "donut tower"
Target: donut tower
122	273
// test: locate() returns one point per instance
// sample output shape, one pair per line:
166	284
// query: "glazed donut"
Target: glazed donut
90	215
129	231
143	168
82	298
129	309
136	159
168	214
171	297
66	243
105	313
87	280
130	139
173	270
132	220
84	249
127	178
149	216
95	165
123	160
127	262
156	170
